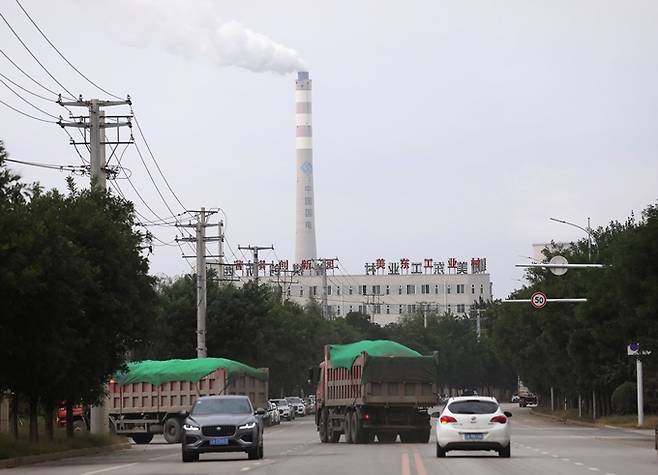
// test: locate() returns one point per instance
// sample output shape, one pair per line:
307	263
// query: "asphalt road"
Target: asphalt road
539	447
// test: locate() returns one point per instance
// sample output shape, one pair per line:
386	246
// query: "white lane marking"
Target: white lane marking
544	453
610	473
580	464
566	460
109	469
244	469
593	469
555	456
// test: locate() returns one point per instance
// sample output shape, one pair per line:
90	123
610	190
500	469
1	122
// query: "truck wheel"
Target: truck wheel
408	437
349	436
423	435
386	437
333	436
142	438
358	435
368	437
322	427
190	457
172	431
505	452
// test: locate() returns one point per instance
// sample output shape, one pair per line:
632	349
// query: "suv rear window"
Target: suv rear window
473	407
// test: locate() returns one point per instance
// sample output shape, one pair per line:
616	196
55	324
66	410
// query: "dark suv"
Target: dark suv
223	424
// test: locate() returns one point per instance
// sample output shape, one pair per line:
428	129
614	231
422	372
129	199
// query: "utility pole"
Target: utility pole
255	250
201	282
96	140
221	253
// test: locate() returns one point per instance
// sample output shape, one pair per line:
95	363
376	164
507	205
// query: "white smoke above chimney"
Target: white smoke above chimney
191	29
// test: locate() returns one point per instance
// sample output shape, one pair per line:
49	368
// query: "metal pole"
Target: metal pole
580	405
424	315
221	253
201	285
589	241
325	310
640	394
255	268
477	325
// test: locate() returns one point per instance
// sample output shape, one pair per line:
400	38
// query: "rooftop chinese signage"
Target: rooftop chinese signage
478	265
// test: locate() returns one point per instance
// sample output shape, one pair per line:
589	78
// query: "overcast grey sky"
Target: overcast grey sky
441	128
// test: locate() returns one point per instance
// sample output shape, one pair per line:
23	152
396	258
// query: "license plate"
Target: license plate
219	441
473	436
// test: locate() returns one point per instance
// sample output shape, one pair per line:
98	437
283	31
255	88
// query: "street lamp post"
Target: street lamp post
587	230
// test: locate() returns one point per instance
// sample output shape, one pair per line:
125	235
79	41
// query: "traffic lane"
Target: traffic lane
161	457
546	447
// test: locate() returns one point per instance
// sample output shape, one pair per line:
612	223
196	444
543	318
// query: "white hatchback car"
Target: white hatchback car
473	423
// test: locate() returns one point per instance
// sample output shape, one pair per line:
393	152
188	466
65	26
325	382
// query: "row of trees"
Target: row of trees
75	290
250	324
580	349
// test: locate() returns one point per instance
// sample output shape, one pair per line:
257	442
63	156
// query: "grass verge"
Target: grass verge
11	448
629	422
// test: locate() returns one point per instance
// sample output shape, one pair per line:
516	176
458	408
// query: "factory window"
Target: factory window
377	309
388	309
328	289
308	201
425	289
481	288
308	212
308	188
338	290
460	288
388	289
376	290
313	290
400	291
448	289
400	309
362	309
449	308
461	308
411	308
308	225
472	288
338	310
301	290
350	309
436	289
363	291
411	289
350	291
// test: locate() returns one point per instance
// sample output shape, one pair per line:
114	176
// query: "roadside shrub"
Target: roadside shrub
624	399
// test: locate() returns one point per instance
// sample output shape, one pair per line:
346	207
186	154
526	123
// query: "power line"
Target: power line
71	168
62	56
27	90
141	133
28	102
141	157
27	75
34	57
26	114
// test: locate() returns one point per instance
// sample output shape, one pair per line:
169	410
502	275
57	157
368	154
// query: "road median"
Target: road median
561	417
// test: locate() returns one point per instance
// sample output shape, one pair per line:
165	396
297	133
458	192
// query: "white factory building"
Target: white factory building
385	291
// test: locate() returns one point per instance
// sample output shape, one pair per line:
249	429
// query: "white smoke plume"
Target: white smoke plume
195	29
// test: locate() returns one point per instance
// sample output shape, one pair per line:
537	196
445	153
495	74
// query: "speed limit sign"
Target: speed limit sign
538	300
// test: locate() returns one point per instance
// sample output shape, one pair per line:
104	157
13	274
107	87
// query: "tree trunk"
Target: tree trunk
34	419
69	419
49	416
14	416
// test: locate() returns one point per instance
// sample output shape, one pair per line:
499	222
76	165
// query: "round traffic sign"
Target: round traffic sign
558	260
538	300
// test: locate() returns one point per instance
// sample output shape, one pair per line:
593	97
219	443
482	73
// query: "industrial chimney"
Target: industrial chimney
305	213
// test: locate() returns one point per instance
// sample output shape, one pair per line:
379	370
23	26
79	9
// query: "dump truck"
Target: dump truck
154	397
374	388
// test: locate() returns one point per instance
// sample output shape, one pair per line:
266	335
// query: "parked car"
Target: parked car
285	411
272	417
297	404
528	400
223	424
515	398
473	423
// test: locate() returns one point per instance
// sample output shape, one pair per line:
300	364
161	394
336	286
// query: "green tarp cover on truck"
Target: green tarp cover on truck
159	372
388	361
343	356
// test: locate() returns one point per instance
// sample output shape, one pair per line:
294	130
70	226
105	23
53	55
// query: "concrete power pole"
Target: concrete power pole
201	282
96	124
255	250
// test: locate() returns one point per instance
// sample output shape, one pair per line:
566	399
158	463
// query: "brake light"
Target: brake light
499	419
365	416
447	420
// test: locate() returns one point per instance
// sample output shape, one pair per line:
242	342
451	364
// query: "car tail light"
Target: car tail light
365	416
447	420
499	419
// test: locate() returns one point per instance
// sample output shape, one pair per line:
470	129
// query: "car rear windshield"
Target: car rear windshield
473	407
221	406
280	402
